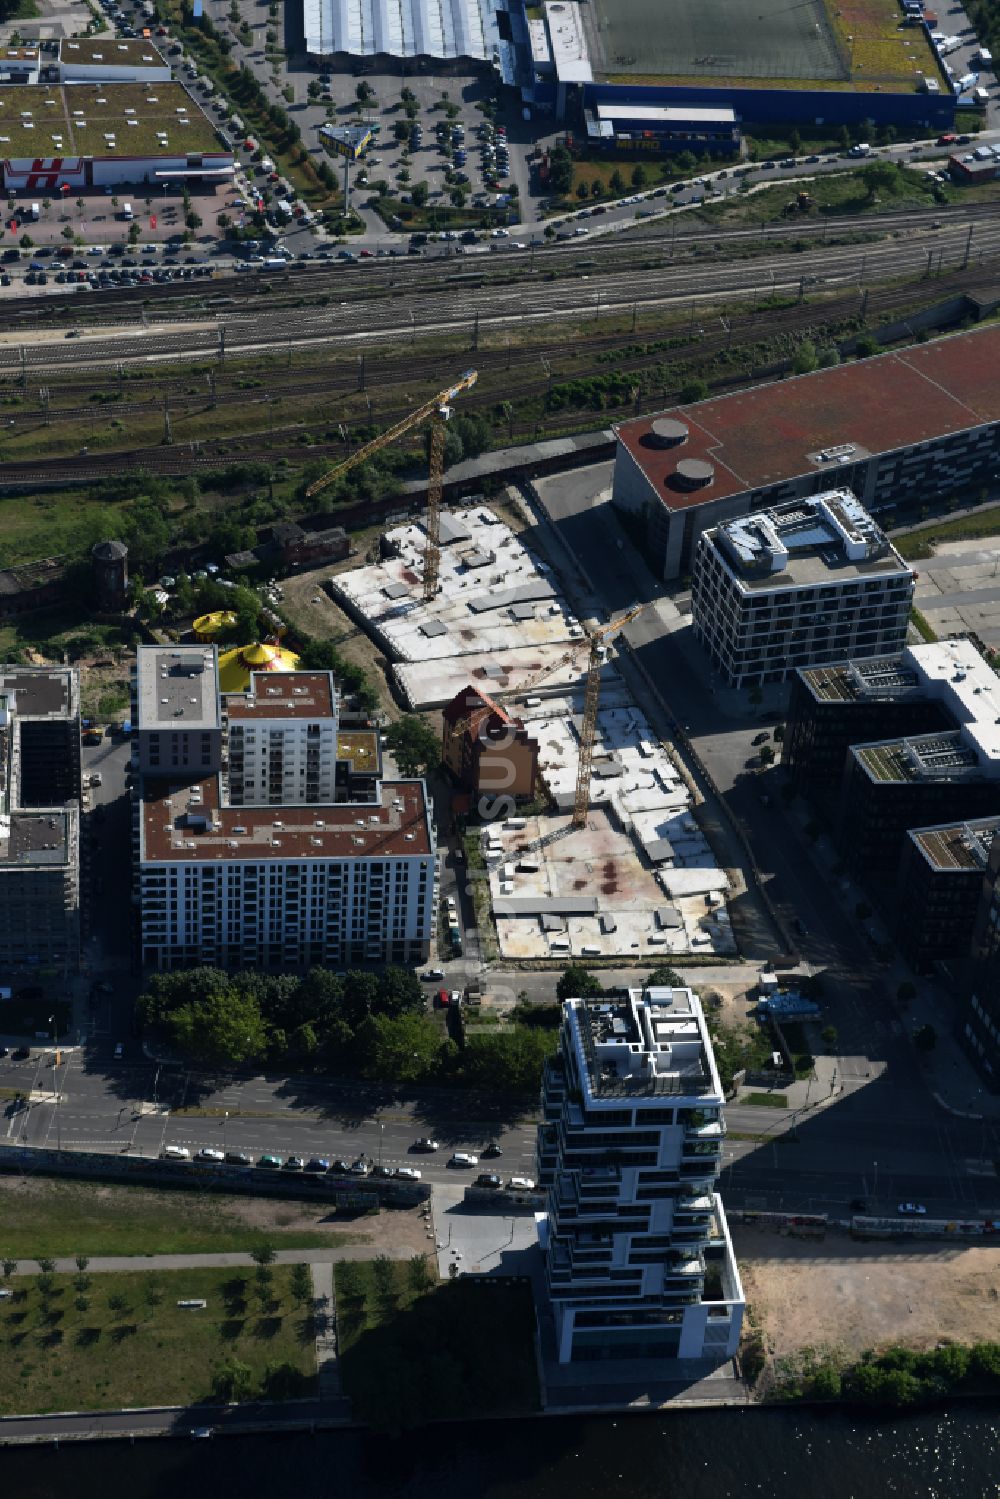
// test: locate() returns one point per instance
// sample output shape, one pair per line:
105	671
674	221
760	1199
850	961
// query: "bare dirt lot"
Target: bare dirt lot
841	1295
309	606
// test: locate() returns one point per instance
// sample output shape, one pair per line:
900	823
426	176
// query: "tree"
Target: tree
925	1039
418	1274
82	1261
416	747
582	190
119	1304
46	1265
578	983
805	358
9	1268
263	1254
664	977
595	188
829	357
692	390
232	1381
639	176
284	1381
227	1027
878	176
866	346
397	1049
560	170
766	754
616	182
419	193
301	1284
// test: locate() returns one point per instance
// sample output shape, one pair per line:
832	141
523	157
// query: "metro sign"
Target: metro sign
46	176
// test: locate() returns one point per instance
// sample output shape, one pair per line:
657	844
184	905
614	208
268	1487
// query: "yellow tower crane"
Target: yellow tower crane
439	411
591	700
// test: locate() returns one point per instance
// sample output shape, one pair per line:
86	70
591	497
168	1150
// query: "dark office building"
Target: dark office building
851	702
939	887
978	1025
899	784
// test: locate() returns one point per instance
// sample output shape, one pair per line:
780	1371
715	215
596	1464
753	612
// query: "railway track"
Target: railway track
396	377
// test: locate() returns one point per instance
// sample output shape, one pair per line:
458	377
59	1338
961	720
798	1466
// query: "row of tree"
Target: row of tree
370	1025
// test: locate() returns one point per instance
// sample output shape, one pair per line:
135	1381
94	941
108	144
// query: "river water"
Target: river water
780	1454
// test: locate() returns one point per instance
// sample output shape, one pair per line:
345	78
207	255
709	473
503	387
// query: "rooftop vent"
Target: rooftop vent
693	473
666	432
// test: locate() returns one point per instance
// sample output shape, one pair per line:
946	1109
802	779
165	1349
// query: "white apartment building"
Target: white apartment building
638	1258
283	888
282	739
812	581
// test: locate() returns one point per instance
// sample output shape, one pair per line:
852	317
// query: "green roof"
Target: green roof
109	51
108	119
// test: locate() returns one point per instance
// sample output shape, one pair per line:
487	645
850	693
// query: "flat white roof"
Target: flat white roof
402	28
667	114
955	673
569	45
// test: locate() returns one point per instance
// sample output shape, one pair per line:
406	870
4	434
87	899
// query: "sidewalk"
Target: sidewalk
228	1259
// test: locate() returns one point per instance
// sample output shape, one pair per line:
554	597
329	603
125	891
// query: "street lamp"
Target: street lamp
224	1119
381	1132
55	1044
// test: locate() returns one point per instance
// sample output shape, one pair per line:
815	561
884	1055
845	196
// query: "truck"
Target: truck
127	214
34	211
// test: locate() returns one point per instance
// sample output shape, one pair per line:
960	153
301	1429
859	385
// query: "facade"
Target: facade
683	471
283	887
112	135
978	1026
487	750
176	711
282	740
264	835
805	582
638	1260
938	889
39	819
649	127
851	702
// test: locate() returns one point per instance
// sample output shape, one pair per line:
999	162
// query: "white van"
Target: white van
176	1153
127	213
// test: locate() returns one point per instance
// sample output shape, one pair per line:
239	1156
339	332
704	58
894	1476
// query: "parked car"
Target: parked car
408	1173
426	1145
912	1209
360	1167
462	1159
341	1168
270	1162
521	1184
382	1171
20	1053
208	1154
489	1179
491	1151
318	1163
238	1158
432	974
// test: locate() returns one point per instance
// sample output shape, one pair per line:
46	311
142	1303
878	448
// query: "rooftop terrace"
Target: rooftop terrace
650	1042
827	539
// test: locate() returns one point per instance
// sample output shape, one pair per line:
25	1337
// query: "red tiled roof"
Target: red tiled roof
474	705
762	436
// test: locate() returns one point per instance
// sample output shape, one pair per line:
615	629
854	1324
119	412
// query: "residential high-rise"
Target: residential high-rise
39	818
811	581
638	1259
264	835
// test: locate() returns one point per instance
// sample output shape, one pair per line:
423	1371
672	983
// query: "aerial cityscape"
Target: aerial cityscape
500	746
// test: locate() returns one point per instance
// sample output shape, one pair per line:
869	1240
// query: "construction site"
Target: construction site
626	872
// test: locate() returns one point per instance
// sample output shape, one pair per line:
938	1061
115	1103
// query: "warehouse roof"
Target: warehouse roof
109	51
821	422
185	822
107	119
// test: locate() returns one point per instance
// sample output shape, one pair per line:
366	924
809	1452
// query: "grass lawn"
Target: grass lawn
55	1218
920	544
413	1348
123	1341
766	1100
